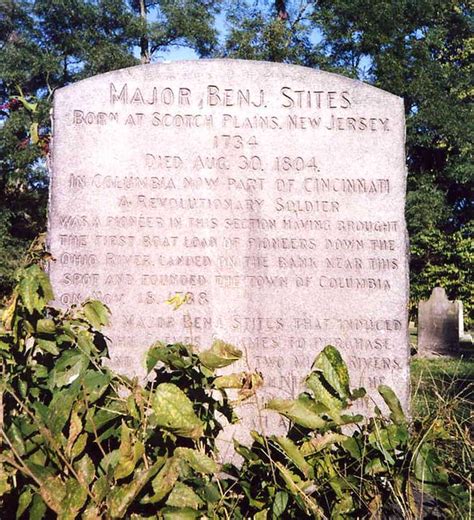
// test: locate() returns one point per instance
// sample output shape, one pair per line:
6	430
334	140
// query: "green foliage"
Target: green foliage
442	405
79	440
47	45
446	260
322	470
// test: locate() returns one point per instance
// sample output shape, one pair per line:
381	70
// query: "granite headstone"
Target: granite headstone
273	195
440	324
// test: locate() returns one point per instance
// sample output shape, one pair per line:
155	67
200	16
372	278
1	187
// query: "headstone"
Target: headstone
272	194
439	324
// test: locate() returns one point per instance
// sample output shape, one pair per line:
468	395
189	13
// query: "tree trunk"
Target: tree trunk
144	43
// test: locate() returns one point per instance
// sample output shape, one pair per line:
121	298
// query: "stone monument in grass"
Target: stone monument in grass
440	324
270	197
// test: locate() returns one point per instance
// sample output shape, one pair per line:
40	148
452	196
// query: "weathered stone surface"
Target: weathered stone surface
272	194
440	324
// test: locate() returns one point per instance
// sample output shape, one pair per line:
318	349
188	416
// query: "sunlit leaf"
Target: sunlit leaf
68	368
174	411
220	355
279	504
391	400
131	450
97	313
199	461
183	496
301	411
294	455
121	497
177	300
164	481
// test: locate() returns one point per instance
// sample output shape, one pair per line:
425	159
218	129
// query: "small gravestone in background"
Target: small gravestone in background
273	195
440	324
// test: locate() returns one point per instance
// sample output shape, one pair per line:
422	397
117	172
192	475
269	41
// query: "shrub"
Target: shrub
81	441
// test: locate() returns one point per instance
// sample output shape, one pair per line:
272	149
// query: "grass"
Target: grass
442	403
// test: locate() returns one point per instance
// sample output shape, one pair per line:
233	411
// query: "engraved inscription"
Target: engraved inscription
269	197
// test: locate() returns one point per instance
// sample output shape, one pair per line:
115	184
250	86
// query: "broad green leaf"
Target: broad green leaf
354	446
48	346
391	400
175	356
69	367
171	513
130	452
279	504
16	438
36	462
38	508
427	466
292	452
374	467
230	380
245	452
300	411
96	420
316	383
79	446
164	481
174	411
120	497
246	382
9	313
24	501
45	326
60	408
330	363
212	493
75	428
101	488
74	500
85	470
5	486
220	355
44	292
95	384
318	443
329	381
380	439
183	496
296	486
28	290
261	515
96	313
53	491
199	461
85	342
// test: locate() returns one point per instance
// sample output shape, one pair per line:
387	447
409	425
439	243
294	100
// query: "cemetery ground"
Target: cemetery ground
442	397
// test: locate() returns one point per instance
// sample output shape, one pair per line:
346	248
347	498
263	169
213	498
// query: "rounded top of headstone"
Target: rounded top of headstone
234	69
439	293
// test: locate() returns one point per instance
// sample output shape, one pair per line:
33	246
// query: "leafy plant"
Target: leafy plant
334	464
78	439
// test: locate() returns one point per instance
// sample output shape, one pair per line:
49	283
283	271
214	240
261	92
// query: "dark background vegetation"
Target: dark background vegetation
421	50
